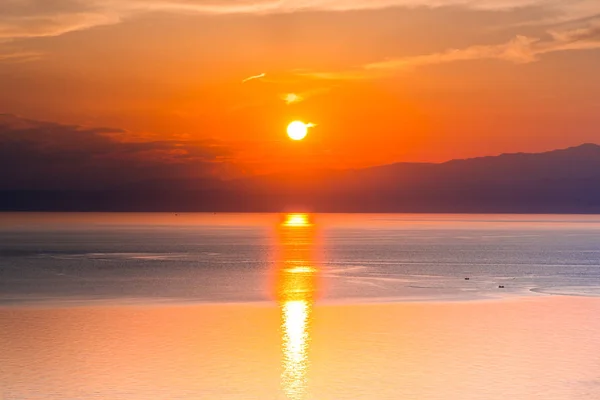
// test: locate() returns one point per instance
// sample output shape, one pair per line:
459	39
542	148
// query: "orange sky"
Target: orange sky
383	80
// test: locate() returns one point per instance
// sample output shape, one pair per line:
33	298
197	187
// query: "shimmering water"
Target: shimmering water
297	306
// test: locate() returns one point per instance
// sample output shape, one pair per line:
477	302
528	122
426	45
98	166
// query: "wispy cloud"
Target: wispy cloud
278	6
33	18
38	18
563	12
520	50
291	98
297	97
590	32
250	78
18	56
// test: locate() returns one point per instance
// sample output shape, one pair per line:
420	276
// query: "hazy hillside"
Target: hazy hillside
565	180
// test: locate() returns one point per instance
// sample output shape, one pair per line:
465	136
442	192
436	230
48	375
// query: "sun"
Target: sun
298	130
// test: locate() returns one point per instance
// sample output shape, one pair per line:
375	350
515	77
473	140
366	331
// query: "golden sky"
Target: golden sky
382	80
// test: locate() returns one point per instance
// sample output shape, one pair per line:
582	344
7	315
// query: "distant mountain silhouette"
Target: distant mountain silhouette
559	181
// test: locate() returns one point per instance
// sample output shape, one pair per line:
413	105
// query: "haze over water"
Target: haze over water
299	306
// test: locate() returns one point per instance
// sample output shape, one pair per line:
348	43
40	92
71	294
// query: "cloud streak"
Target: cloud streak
278	6
253	77
18	56
35	18
520	50
291	98
39	18
298	97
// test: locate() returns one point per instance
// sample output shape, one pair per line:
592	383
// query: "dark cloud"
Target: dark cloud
42	155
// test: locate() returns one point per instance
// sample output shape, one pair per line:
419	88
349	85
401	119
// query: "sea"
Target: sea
132	306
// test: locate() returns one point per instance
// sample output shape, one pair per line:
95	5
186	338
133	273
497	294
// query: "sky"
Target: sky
197	88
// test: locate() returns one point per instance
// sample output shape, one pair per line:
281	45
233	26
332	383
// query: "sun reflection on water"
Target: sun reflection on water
296	287
295	316
297	220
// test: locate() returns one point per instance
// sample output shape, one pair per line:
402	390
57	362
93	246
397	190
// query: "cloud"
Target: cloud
36	155
250	78
7	55
520	50
291	98
35	18
563	12
297	97
591	32
278	6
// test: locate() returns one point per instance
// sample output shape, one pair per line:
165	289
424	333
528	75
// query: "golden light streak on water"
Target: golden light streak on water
295	290
295	341
296	220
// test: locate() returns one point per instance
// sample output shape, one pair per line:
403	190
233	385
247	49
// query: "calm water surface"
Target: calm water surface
298	306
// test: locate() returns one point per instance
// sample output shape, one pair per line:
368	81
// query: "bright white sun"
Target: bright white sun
297	130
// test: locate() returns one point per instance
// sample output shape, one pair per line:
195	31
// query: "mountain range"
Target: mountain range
559	181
